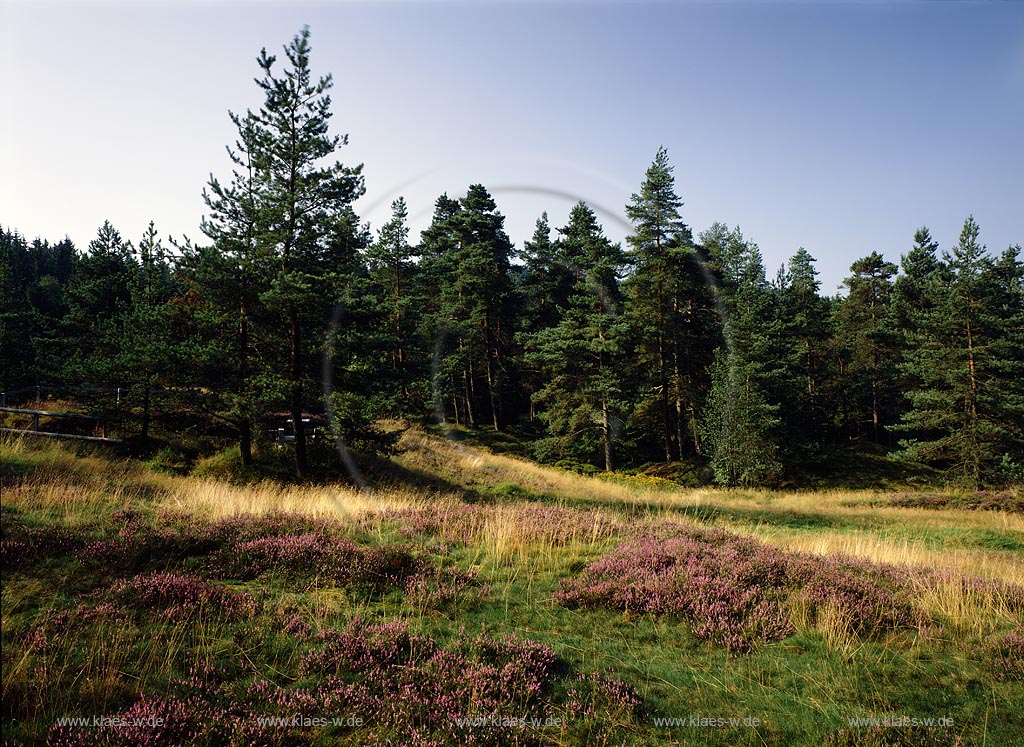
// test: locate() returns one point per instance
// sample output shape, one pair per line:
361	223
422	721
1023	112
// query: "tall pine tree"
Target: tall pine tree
582	357
965	416
742	423
660	291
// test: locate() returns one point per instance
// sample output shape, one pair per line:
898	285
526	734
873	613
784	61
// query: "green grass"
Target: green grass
801	689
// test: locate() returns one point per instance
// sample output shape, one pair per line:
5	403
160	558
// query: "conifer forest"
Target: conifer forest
301	478
675	347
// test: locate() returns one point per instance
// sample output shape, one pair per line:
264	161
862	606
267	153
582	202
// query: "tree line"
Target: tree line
671	348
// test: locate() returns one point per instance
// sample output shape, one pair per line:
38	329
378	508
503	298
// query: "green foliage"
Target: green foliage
741	429
869	345
467	251
581	360
966	413
804	332
671	310
674	351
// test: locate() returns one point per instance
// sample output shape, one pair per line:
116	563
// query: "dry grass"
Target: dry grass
472	466
833	624
213	499
980	563
73	489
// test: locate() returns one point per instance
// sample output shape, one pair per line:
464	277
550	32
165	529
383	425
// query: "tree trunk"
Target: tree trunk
244	426
975	444
695	426
874	410
301	461
666	427
606	427
245	441
678	390
467	381
145	413
490	395
490	372
400	365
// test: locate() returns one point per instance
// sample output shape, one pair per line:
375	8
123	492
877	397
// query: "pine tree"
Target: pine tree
911	289
288	212
661	291
34	280
476	303
543	286
546	280
145	346
965	414
741	427
804	331
448	370
581	358
227	280
99	293
392	271
872	351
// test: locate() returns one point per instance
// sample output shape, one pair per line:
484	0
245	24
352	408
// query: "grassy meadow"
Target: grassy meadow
472	597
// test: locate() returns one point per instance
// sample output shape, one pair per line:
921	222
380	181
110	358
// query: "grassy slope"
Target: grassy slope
802	688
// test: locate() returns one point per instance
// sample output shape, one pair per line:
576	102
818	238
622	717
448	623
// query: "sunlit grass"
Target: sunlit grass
531	527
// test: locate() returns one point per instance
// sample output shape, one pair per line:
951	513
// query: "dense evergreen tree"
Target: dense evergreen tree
226	280
663	307
546	280
804	330
145	346
305	214
392	271
476	301
966	414
287	224
583	400
870	343
741	426
912	289
448	378
99	293
34	279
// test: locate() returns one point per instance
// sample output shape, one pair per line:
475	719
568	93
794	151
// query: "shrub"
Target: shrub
732	590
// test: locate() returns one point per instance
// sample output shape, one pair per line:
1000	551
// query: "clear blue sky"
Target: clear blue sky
837	127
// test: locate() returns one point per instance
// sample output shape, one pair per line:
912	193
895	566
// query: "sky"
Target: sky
838	127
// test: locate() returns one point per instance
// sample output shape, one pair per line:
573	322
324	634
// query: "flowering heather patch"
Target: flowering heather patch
733	590
175	536
329	695
362	647
316	555
178	596
48	634
598	696
26	546
13	552
466	523
167	721
1006	655
242	527
440	588
172	714
418	689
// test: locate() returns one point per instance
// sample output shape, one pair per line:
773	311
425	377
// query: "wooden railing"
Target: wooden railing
101	423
